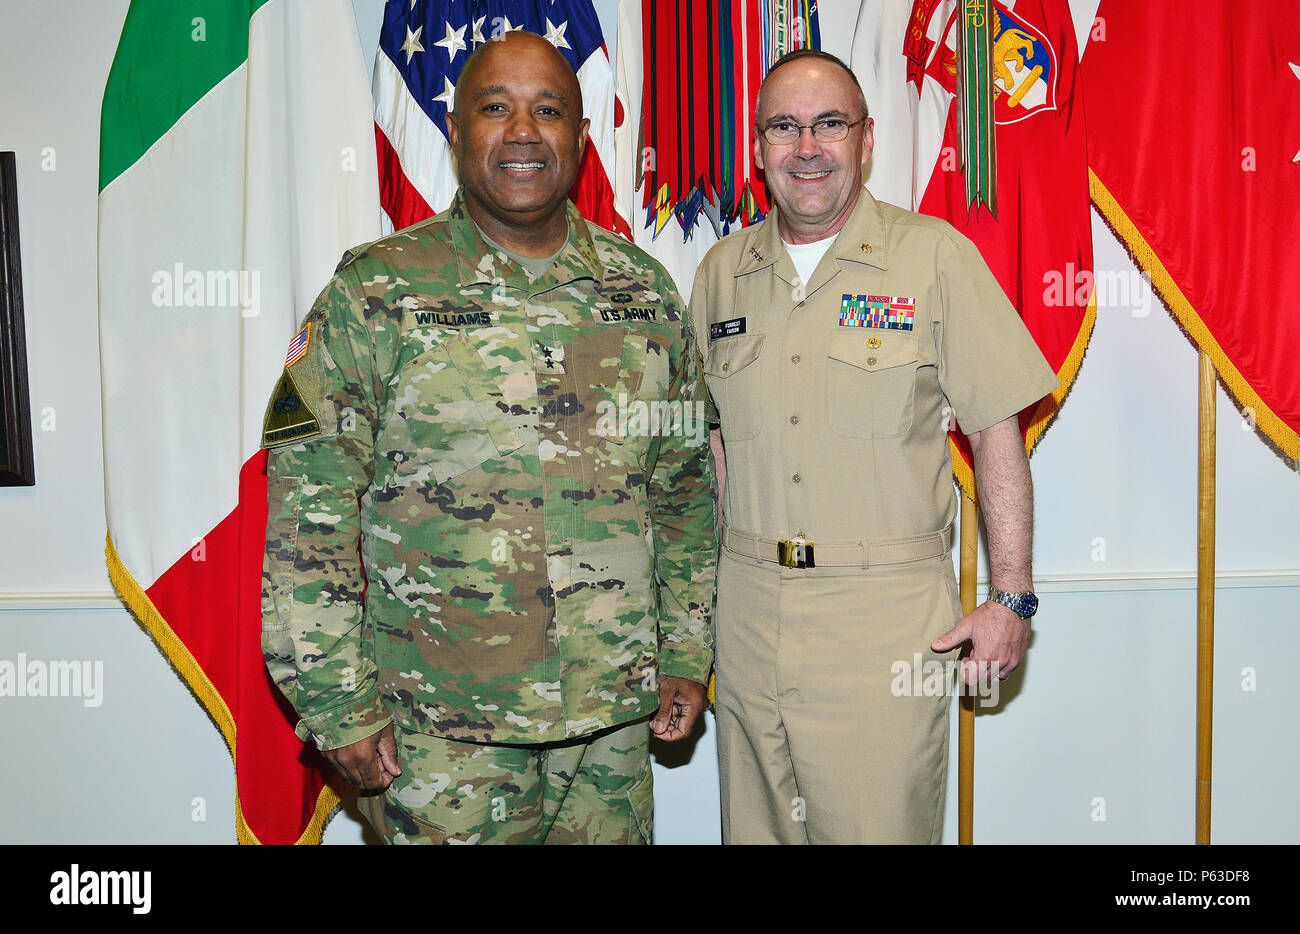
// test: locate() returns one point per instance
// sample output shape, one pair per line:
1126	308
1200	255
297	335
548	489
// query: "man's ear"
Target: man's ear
453	130
758	150
583	127
868	139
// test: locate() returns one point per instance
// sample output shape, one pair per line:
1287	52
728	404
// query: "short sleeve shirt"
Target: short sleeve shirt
834	398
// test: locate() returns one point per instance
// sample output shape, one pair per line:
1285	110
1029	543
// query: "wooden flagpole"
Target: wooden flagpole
978	130
966	715
1205	601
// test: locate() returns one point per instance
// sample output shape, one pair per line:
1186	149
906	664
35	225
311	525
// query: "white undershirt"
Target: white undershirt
806	256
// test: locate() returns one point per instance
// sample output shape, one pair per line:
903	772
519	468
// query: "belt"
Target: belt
799	552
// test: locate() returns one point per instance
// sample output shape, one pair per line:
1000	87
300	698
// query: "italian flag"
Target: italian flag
237	163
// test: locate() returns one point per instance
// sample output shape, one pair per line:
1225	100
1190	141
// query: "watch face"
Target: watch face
1028	605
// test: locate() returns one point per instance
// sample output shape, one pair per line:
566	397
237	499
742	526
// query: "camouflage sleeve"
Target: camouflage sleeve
320	422
682	507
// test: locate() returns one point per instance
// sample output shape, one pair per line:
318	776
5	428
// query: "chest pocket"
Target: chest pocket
644	366
459	410
733	371
872	390
626	371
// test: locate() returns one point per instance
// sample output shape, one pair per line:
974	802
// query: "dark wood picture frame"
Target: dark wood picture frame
16	467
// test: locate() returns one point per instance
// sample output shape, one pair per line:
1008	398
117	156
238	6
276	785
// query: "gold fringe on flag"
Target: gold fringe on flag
134	596
1282	435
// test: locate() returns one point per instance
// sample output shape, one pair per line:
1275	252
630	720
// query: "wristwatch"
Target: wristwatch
1023	604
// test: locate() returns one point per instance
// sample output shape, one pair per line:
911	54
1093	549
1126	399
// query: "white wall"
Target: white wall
1102	710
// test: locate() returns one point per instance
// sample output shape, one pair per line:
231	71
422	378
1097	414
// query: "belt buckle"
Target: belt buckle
795	553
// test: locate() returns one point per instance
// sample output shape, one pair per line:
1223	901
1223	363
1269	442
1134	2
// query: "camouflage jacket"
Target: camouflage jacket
485	521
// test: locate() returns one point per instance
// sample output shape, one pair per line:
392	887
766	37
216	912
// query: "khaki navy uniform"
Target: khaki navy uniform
834	400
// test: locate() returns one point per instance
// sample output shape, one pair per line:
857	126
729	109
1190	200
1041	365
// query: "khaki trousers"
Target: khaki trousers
822	737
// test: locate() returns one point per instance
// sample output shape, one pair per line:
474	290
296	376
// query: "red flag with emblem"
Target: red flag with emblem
1193	132
1039	246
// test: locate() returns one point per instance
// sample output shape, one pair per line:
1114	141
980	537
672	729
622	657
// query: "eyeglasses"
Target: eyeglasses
827	130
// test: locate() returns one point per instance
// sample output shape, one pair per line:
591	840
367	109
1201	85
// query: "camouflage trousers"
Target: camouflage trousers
595	789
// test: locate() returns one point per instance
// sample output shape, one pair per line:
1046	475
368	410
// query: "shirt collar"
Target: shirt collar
860	240
477	262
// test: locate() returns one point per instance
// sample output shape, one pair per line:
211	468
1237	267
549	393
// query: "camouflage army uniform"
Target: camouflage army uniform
446	440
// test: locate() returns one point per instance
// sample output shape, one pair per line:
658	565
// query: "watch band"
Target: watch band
1024	604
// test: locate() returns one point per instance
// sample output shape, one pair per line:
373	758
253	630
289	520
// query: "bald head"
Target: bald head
528	47
518	133
810	57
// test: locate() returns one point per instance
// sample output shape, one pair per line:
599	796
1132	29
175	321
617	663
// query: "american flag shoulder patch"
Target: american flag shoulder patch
891	312
298	345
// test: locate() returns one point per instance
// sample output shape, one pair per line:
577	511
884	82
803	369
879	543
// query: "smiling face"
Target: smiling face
518	134
814	184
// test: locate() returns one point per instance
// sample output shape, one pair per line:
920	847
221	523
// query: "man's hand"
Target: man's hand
999	639
370	763
680	703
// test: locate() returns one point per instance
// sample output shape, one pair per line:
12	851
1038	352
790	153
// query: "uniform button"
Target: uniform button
794	359
724	367
796	478
794	419
871	361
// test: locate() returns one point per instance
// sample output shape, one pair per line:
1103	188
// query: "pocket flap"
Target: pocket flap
729	355
852	346
484	389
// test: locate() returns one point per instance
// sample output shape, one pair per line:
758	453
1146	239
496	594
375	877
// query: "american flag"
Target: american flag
297	345
423	45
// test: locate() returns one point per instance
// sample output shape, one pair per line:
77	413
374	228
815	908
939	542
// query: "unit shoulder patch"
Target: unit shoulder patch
292	414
